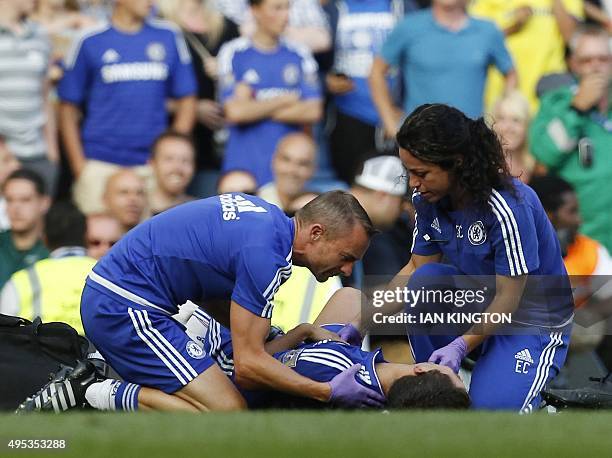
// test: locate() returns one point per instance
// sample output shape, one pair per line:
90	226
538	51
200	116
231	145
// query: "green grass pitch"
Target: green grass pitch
314	434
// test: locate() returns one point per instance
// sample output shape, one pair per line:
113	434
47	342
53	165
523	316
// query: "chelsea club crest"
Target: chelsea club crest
476	233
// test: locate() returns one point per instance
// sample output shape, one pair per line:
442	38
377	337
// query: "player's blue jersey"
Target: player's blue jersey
229	246
287	69
320	361
123	82
513	237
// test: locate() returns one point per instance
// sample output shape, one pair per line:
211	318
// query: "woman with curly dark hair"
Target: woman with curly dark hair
502	262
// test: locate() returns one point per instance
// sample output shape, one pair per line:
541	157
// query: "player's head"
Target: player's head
590	52
293	163
271	16
561	204
173	162
26	200
333	232
445	153
139	9
103	231
125	197
65	226
431	387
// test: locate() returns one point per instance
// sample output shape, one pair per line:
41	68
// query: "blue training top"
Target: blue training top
512	237
229	246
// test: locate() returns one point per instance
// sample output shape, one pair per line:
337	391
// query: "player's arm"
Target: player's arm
243	108
381	96
508	293
300	112
69	118
293	338
184	114
255	368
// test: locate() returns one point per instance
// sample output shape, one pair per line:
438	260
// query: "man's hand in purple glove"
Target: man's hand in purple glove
451	355
350	334
346	391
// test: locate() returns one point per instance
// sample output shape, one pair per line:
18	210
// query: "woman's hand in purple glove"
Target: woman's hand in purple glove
451	355
351	335
346	391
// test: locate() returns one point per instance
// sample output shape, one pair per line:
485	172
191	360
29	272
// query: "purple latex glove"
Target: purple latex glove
451	355
346	391
351	335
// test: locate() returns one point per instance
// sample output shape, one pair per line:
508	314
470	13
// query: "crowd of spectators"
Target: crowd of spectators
118	110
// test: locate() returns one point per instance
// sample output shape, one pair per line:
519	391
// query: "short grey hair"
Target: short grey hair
590	30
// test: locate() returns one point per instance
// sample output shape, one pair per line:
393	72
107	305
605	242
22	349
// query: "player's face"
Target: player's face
331	256
422	368
272	16
429	179
567	215
24	206
293	166
173	165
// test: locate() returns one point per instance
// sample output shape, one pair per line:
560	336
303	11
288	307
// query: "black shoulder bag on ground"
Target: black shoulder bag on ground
30	352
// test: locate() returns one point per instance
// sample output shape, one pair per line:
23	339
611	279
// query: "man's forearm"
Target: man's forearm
301	112
69	130
565	21
511	80
243	111
50	132
380	94
260	370
185	114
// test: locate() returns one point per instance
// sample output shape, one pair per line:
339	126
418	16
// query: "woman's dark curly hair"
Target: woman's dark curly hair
442	135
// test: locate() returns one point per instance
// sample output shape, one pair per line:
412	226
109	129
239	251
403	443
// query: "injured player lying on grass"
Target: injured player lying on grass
319	351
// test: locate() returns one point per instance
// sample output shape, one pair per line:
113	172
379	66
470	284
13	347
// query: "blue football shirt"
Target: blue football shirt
122	81
288	68
232	246
512	237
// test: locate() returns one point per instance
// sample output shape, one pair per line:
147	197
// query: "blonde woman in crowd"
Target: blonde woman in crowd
510	120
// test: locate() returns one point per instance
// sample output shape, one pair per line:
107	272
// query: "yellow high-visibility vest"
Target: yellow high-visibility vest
51	288
301	298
